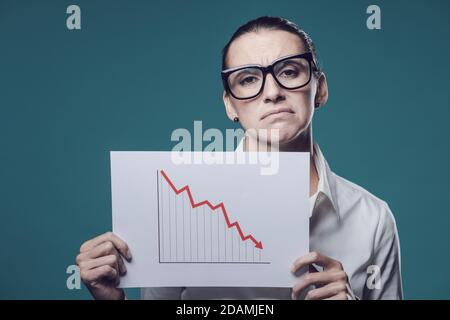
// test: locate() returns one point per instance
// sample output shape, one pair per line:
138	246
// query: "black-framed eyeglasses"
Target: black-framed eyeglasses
291	72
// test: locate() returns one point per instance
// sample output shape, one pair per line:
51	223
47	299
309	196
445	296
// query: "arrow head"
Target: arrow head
259	245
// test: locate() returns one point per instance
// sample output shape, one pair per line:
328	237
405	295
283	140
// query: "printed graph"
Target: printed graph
192	231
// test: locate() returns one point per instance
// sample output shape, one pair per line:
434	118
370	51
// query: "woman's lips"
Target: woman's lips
278	111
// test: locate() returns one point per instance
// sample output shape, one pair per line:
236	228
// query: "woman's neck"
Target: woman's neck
302	143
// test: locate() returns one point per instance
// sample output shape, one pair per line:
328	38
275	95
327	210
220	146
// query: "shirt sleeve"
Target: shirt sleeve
161	293
350	294
384	279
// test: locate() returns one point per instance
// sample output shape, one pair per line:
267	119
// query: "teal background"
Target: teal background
69	97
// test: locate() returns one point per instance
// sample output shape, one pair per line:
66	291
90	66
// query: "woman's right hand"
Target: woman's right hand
101	265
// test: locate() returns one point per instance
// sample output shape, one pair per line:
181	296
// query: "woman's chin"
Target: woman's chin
280	139
285	134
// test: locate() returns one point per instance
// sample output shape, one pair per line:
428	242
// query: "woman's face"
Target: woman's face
289	111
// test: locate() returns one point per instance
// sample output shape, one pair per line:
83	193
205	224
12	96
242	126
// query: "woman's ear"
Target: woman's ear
322	91
229	108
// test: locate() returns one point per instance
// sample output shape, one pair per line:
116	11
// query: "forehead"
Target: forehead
262	47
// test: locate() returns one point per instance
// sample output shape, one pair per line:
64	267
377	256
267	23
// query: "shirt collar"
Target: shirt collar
327	184
327	181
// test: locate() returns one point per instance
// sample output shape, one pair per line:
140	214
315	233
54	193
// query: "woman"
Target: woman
272	81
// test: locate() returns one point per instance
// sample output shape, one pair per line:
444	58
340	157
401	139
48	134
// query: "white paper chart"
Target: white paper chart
210	224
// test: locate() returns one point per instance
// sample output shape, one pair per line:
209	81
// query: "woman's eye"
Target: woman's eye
289	73
248	80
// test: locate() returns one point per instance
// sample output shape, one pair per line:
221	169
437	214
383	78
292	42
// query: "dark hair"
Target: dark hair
271	23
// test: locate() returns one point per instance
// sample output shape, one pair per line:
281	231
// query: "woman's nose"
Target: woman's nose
272	92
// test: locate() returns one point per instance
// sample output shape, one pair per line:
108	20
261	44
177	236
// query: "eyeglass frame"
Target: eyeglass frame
308	56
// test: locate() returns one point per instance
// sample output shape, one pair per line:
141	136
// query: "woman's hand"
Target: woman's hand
101	265
331	283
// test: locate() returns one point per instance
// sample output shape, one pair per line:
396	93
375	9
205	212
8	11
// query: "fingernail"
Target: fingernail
129	255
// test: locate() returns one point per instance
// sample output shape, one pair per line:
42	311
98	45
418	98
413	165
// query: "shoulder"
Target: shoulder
356	202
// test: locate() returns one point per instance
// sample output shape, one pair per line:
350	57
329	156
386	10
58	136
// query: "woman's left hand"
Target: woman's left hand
331	283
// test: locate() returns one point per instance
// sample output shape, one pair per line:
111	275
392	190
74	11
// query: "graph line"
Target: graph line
221	206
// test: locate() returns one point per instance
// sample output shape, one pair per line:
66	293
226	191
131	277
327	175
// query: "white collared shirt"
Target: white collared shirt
348	224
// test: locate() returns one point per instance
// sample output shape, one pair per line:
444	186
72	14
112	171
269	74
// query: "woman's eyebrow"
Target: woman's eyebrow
243	66
288	62
249	70
259	65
